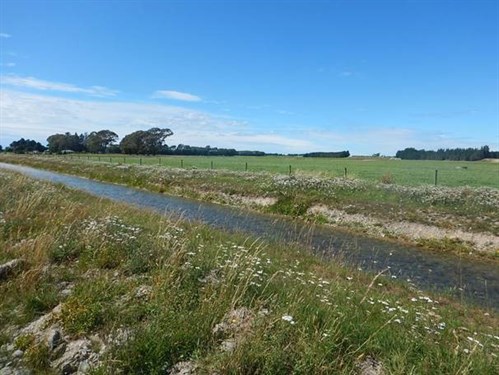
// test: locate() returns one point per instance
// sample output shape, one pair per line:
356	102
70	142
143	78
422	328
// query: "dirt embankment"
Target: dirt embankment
408	231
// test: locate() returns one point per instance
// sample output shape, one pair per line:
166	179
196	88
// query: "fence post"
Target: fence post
110	159
436	177
346	172
181	163
98	158
140	161
246	167
159	161
212	164
124	159
290	169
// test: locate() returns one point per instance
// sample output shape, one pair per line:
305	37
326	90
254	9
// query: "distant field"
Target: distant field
404	172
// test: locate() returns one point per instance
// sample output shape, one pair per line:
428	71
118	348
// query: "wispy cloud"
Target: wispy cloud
38	116
9	65
5	35
176	95
39	84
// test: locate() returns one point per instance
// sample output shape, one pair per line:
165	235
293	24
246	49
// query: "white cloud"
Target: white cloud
38	84
38	116
5	35
176	95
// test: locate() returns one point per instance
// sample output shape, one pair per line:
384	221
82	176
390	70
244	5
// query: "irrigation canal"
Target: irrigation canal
476	281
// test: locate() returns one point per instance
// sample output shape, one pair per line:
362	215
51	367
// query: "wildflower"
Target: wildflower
288	318
427	299
475	341
397	321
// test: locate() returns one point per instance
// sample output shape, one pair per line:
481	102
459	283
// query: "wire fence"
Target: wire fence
388	172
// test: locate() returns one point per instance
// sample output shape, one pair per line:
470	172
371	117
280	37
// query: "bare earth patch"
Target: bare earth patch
238	200
481	242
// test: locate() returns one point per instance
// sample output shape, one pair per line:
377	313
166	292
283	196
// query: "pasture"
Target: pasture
402	172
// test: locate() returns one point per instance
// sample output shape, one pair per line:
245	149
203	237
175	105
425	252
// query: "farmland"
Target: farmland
403	172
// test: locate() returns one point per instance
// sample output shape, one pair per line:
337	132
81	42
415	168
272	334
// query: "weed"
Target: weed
37	357
290	206
41	299
23	342
387	178
81	316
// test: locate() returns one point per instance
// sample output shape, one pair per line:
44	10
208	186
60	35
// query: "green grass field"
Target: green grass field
404	172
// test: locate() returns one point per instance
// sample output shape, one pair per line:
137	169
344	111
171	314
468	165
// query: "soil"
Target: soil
409	231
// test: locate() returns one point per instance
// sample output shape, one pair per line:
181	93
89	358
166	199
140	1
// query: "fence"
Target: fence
245	166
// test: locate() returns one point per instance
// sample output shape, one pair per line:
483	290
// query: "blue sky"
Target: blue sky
278	76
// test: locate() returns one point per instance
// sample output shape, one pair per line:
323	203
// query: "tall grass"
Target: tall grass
159	292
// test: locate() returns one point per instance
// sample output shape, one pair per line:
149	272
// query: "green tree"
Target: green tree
99	142
146	142
67	141
26	145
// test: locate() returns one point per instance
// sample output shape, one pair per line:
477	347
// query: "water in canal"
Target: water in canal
474	280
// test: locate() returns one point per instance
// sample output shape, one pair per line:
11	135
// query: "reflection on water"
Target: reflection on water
474	280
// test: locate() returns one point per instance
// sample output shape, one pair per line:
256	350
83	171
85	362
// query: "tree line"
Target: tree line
340	154
141	142
460	154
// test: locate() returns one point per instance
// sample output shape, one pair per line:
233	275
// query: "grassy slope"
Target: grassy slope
195	275
473	210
